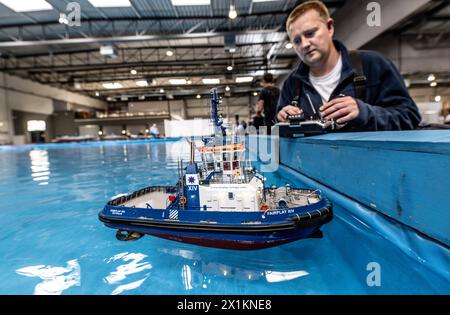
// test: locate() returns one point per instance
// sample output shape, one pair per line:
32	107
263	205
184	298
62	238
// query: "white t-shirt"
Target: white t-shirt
326	84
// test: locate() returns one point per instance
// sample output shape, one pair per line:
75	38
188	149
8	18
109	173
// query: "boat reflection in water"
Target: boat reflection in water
201	271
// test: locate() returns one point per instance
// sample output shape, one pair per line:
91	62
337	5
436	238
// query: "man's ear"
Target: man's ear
330	26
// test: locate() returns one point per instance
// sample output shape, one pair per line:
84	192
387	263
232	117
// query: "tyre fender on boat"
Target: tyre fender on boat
127	236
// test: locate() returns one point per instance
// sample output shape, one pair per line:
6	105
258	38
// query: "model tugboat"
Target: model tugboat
219	202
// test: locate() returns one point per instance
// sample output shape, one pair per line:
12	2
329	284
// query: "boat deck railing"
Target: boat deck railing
120	200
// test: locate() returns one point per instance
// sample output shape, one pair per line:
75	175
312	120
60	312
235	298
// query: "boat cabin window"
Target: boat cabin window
230	195
227	156
209	157
218	156
226	166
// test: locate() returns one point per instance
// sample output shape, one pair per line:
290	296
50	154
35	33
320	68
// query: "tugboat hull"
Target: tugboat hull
241	230
235	242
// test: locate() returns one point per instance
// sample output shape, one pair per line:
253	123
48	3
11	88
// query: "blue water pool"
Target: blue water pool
53	243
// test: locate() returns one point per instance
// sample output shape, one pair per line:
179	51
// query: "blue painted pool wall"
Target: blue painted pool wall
403	175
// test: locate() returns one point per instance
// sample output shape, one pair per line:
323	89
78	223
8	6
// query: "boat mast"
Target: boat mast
216	118
192	151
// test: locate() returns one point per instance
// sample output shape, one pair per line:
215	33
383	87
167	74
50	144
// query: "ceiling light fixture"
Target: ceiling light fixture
431	77
177	81
112	85
244	79
169	53
232	14
211	81
133	71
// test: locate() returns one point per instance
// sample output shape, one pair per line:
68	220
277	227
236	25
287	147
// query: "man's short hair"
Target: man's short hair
268	78
301	9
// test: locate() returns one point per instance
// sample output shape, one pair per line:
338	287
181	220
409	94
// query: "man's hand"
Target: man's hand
341	109
288	110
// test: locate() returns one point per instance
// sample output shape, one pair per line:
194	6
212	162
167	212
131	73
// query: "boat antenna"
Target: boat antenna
313	108
180	179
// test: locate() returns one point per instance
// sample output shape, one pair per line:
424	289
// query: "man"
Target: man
240	126
268	100
154	131
326	76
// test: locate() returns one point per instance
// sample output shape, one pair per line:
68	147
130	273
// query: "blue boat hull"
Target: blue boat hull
244	230
224	240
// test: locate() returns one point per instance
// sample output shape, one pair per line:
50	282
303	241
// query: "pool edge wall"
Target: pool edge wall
404	174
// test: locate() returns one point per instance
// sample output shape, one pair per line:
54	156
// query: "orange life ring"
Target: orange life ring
264	207
183	200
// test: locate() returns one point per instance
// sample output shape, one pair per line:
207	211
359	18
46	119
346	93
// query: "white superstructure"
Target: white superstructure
232	197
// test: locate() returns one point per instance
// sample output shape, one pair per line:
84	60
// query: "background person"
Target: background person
268	100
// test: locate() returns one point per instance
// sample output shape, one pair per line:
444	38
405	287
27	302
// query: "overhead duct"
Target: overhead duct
230	42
